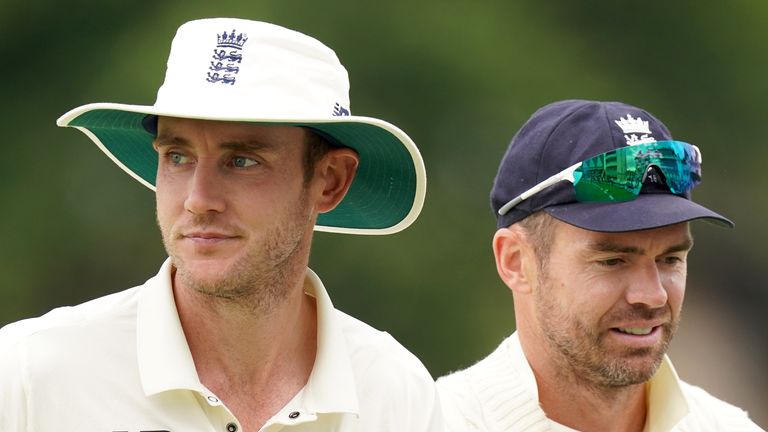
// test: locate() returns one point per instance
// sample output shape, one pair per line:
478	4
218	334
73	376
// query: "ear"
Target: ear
514	259
334	175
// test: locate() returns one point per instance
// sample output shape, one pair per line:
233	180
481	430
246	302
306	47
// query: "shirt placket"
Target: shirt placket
220	416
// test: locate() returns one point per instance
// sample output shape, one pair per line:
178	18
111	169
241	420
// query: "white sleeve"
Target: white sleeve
13	388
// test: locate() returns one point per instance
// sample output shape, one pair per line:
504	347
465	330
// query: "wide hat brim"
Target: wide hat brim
385	197
647	211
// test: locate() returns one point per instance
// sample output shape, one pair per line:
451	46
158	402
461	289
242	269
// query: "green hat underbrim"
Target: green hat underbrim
385	197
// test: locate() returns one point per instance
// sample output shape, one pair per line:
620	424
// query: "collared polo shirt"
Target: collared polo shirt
122	363
499	393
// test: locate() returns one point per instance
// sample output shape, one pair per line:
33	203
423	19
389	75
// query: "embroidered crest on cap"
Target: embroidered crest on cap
632	126
339	110
227	57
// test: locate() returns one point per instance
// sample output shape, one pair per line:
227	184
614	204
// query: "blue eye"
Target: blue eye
176	158
243	162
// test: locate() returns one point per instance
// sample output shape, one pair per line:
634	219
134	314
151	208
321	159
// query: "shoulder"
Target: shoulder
472	398
497	393
389	379
373	353
378	350
708	412
461	404
494	370
66	333
457	389
35	351
92	313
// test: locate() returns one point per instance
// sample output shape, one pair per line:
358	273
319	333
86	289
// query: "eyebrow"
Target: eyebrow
168	140
608	246
165	140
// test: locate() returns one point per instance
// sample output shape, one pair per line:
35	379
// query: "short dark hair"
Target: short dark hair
315	147
539	229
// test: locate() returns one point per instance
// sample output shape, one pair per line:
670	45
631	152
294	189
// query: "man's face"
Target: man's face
607	304
232	205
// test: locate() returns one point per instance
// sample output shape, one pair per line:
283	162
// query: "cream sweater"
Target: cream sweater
499	393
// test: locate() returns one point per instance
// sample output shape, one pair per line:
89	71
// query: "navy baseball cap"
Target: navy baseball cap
564	133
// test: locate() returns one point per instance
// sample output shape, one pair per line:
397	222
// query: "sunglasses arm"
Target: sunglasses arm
566	174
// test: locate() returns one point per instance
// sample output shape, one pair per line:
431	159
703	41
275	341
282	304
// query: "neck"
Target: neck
240	340
251	357
570	400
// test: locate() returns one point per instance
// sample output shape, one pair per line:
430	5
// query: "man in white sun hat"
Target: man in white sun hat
249	147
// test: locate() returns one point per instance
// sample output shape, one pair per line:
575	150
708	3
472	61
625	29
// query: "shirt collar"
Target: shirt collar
331	385
667	404
165	361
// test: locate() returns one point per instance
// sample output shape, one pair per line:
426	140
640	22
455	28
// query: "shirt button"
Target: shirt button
231	427
213	399
293	415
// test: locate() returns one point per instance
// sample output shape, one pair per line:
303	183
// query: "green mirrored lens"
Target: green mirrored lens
618	175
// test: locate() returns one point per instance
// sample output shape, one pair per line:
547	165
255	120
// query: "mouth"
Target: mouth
641	336
637	331
207	238
206	235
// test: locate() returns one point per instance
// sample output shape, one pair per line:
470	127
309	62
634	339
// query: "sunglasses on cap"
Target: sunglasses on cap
618	175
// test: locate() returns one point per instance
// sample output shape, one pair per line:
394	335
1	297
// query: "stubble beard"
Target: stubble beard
262	277
580	350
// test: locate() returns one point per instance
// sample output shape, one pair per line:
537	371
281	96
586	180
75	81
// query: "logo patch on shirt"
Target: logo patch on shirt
633	126
227	56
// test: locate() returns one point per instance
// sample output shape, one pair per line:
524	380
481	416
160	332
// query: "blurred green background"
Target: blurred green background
460	78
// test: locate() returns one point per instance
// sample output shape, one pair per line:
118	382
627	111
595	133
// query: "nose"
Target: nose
647	287
205	192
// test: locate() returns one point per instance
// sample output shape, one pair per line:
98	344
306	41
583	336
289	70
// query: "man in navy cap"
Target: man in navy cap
593	205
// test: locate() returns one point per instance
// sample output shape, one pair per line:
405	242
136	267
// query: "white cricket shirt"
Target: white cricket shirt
121	363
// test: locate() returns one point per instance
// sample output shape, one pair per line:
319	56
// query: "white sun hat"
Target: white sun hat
239	70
